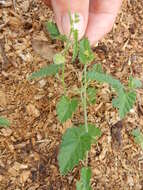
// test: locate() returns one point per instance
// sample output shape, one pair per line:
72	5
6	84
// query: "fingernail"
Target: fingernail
66	25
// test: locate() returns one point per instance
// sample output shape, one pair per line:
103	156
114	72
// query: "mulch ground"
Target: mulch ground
29	148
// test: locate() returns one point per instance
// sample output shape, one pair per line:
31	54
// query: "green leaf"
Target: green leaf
138	137
134	83
125	100
85	53
125	103
84	183
51	27
94	131
75	143
59	59
49	70
116	103
105	78
66	108
4	122
75	45
97	68
91	94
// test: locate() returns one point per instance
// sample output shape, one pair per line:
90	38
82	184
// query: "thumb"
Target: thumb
61	9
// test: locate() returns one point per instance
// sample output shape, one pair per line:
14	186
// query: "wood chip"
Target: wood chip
3	99
32	110
24	176
6	61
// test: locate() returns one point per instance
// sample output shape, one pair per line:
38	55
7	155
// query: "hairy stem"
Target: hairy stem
84	99
63	79
67	46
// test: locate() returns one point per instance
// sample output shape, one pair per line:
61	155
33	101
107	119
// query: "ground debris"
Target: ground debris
29	148
32	110
42	48
6	62
116	134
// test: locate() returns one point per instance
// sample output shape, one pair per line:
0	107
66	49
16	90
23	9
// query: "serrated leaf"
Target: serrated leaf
91	94
4	122
49	70
84	183
134	83
138	137
75	45
85	53
52	29
66	108
105	78
59	59
75	143
126	102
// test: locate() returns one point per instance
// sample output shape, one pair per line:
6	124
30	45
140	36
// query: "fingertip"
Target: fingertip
80	26
61	9
98	26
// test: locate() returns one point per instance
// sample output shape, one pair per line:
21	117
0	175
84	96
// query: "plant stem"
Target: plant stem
63	78
85	106
84	99
68	43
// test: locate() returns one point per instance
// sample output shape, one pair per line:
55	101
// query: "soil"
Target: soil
29	148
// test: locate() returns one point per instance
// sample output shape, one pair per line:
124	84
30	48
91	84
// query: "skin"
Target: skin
98	16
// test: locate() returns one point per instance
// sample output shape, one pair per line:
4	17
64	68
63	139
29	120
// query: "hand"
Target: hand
96	16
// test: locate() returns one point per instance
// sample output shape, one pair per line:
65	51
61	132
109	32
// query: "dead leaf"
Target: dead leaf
116	134
32	110
42	48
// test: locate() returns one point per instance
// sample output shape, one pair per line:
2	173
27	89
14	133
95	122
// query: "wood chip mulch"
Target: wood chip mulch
29	148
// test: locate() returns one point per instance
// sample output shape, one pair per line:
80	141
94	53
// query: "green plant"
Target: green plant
138	136
4	122
77	140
